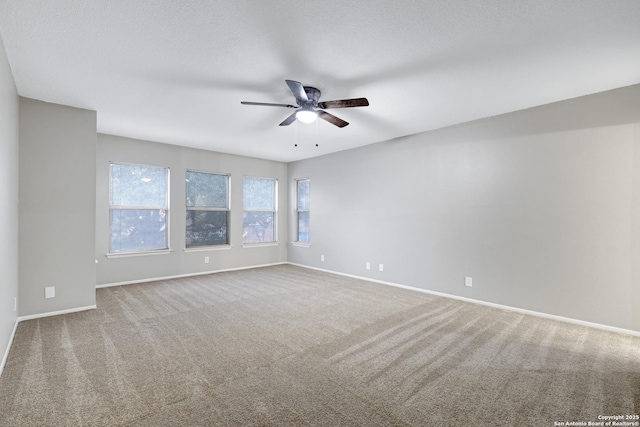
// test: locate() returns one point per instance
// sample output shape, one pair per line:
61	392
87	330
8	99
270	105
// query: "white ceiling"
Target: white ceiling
175	71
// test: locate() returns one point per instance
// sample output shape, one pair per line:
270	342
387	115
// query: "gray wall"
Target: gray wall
540	207
57	206
179	261
8	201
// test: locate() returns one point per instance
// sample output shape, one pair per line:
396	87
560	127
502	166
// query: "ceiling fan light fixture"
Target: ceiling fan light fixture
306	116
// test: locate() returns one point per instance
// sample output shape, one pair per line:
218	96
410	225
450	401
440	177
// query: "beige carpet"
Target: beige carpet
291	346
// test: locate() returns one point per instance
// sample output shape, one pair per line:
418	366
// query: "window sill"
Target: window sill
260	245
140	253
301	244
208	248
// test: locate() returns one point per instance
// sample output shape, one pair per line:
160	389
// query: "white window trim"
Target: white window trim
301	244
111	255
223	247
260	244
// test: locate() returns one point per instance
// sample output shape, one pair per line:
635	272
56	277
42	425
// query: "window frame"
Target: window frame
275	212
202	208
307	211
166	208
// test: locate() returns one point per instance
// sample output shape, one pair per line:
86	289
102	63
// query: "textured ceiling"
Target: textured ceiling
175	71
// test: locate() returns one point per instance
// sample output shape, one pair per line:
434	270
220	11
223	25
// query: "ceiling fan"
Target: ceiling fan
309	108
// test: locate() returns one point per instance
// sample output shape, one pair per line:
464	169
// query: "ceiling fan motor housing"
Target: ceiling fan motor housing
313	94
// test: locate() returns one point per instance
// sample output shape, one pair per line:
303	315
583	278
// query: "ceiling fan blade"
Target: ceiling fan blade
298	90
268	104
344	103
289	120
332	119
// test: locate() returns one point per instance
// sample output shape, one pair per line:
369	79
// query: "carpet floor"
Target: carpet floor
288	346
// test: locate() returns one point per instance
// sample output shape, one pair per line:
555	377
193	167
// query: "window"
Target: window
302	209
259	217
207	203
138	208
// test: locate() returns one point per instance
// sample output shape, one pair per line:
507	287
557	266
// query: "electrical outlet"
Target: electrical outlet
380	267
468	281
15	304
322	258
206	260
368	265
50	292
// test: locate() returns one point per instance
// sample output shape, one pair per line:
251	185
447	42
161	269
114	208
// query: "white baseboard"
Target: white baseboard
6	352
179	276
56	313
489	304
